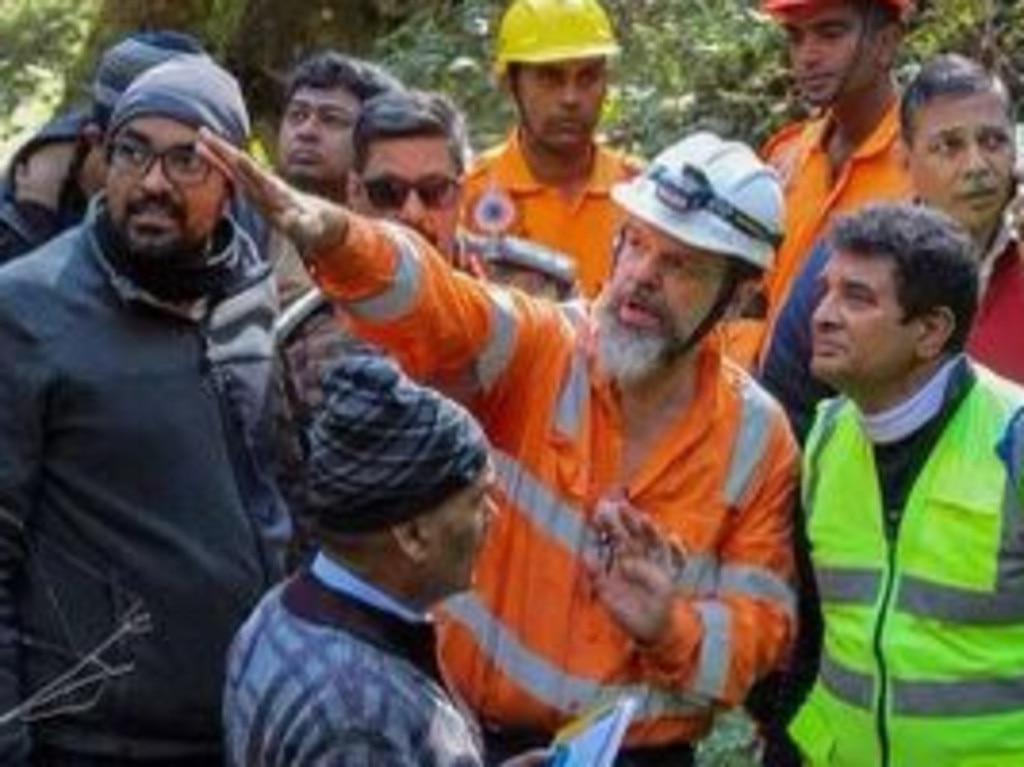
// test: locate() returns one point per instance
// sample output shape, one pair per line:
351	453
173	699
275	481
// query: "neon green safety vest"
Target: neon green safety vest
923	656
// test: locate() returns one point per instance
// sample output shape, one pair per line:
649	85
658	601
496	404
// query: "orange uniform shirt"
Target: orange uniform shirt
501	191
531	646
874	173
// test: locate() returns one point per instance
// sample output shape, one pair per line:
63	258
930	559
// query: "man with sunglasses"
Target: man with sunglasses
409	152
842	54
138	522
642	547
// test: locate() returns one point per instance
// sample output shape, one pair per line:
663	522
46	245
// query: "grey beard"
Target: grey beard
625	355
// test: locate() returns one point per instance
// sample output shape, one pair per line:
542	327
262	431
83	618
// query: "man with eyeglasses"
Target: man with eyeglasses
642	548
53	175
138	522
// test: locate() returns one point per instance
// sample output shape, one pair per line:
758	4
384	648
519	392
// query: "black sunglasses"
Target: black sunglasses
391	192
691	190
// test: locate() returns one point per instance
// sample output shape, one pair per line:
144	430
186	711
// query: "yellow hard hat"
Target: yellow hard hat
539	31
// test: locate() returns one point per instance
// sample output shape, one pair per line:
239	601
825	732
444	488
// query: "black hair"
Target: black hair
330	69
947	75
932	258
410	114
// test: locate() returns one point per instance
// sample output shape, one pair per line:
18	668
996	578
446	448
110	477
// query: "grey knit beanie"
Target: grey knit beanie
191	89
128	58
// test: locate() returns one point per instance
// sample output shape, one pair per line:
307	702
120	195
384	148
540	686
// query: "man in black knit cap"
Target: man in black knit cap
337	666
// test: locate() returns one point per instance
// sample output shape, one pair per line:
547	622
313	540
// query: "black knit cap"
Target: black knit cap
385	450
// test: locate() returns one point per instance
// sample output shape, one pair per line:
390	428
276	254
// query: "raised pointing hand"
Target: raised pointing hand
312	223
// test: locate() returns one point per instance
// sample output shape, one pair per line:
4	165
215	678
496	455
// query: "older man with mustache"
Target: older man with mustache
646	482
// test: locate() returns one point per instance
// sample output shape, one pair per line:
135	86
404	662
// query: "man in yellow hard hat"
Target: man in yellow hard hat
550	181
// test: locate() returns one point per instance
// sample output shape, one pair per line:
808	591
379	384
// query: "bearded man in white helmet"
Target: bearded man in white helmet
645	481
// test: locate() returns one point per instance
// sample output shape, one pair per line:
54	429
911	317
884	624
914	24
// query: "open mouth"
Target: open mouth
639	315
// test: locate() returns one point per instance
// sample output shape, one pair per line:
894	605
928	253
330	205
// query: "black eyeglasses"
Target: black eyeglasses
691	190
391	192
181	163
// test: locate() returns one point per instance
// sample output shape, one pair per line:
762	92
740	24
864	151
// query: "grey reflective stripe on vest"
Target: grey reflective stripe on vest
845	585
759	583
574	395
562	523
555	518
973	697
551	685
398	299
956	605
712	671
751	445
497	352
852	687
969	697
573	398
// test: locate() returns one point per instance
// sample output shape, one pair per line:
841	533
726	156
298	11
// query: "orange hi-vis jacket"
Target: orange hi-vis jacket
502	193
876	172
531	646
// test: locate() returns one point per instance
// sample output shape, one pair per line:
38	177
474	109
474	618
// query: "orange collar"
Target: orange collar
878	142
510	169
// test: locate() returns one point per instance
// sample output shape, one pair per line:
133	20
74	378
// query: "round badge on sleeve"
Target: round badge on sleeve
494	212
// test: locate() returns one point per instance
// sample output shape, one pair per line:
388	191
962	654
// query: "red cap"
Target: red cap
784	6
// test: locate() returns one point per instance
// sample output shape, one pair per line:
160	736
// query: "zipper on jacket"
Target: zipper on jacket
215	376
891	523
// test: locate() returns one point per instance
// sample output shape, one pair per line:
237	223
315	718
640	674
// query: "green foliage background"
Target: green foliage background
686	63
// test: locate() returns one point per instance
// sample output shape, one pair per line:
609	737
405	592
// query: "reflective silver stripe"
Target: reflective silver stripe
698	577
398	299
759	583
544	681
574	311
958	605
573	398
848	584
715	649
946	698
974	697
497	352
852	687
555	518
751	442
292	318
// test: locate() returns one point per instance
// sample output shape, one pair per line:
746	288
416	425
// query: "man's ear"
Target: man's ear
935	329
412	539
887	41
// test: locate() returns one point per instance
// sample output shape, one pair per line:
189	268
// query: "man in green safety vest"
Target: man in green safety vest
913	493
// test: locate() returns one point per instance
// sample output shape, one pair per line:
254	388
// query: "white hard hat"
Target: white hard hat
712	194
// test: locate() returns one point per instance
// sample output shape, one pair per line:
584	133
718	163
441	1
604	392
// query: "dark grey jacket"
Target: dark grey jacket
136	514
